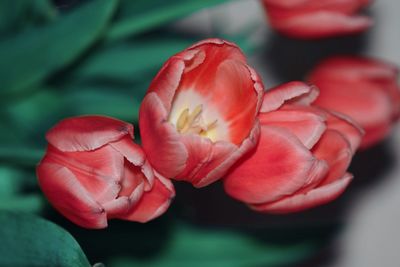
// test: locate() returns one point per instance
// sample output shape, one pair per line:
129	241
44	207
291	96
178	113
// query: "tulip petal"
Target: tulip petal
236	96
98	171
351	68
213	52
335	149
68	196
365	103
295	92
307	126
153	203
219	171
160	140
167	81
280	166
135	155
87	133
322	24
204	156
117	206
131	192
346	126
344	6
315	197
375	134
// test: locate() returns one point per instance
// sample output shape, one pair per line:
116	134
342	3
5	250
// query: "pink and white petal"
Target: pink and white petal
115	207
353	68
212	52
135	155
215	169
322	24
234	95
280	166
216	162
65	192
307	126
131	151
362	101
167	80
315	197
199	152
285	4
374	135
163	147
346	126
333	148
87	133
132	180
153	203
99	171
332	5
275	97
217	42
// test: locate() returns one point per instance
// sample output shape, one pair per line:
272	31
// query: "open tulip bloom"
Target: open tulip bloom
309	19
205	117
200	113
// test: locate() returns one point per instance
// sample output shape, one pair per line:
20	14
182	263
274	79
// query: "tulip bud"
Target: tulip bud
302	157
93	171
366	90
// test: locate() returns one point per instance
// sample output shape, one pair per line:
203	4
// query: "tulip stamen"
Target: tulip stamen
193	122
182	120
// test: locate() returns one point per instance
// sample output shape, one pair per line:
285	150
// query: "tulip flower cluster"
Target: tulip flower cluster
206	117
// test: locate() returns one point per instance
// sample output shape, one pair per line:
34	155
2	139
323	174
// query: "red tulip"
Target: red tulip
199	115
92	171
316	18
301	158
363	89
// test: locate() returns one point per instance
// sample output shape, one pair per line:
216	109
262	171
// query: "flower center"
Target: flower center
193	122
193	113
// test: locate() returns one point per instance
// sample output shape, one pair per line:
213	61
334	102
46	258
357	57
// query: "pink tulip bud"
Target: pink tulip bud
366	90
93	171
200	113
301	158
309	19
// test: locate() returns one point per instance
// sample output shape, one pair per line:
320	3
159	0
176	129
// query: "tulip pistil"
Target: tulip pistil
193	122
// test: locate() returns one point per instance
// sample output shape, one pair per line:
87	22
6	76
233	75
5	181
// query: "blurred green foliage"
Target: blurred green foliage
191	246
27	240
94	57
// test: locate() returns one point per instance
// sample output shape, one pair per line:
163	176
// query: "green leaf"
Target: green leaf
110	100
11	13
144	15
20	155
32	203
16	15
130	61
33	55
218	248
27	240
10	181
33	112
